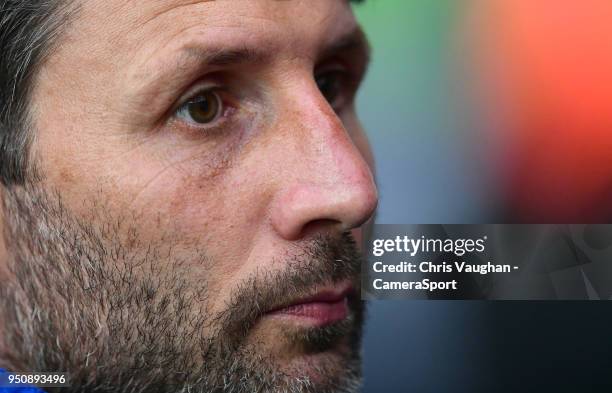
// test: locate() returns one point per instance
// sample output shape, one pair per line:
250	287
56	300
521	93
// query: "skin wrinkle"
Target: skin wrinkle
173	42
193	42
212	171
173	38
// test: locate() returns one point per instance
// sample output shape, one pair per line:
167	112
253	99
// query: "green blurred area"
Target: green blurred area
410	42
416	113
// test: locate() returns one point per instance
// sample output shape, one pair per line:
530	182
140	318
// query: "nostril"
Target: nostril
319	226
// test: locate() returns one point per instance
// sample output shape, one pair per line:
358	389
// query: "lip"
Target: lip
325	307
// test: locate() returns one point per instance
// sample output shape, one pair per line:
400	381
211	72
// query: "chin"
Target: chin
321	367
305	348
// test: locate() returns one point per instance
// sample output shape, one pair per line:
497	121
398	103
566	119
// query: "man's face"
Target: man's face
201	166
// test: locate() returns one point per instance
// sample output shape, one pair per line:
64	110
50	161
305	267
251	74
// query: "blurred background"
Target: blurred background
489	111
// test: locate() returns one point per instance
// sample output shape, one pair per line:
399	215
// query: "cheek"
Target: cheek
218	213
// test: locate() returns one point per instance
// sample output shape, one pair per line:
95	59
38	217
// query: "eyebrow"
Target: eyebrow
223	57
355	40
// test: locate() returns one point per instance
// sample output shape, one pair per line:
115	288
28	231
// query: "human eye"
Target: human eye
337	85
205	108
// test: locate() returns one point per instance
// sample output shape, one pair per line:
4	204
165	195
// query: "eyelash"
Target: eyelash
347	85
225	112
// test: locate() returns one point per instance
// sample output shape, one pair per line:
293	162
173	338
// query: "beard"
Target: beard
88	296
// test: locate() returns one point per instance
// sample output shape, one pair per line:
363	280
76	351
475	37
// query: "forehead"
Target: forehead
137	25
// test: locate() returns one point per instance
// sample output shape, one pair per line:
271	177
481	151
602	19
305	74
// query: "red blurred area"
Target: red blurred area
550	63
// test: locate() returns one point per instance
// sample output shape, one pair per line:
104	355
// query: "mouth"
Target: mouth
327	306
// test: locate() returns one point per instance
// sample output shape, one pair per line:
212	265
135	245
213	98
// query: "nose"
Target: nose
327	182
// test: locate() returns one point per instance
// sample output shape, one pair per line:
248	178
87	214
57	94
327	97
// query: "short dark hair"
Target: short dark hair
27	32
